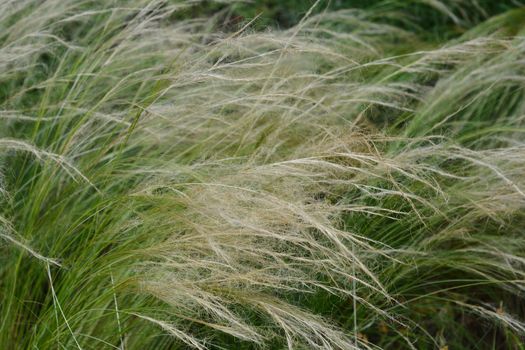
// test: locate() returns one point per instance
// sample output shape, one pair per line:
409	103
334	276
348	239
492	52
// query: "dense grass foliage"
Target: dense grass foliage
352	178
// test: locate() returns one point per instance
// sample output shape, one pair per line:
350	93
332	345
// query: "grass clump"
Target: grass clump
352	181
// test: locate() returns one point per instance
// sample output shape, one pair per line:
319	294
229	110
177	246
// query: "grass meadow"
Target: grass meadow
275	175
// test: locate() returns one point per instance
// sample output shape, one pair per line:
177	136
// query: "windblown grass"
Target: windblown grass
354	181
